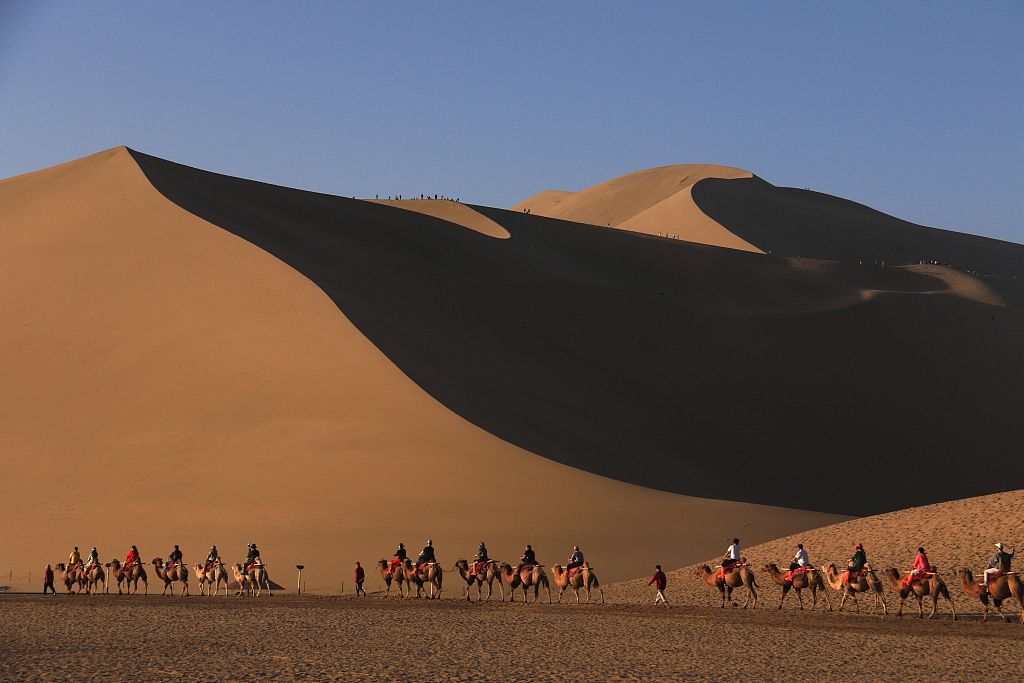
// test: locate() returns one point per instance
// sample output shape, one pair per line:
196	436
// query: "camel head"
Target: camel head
60	566
382	564
770	568
157	562
462	564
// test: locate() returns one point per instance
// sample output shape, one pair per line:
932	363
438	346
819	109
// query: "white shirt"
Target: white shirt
801	558
733	553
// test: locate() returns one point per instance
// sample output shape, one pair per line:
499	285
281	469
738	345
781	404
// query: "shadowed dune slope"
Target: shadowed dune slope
655	201
958	533
167	382
678	366
792	222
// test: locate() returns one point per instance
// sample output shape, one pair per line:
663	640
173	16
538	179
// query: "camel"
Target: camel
584	578
94	576
1005	587
741	575
811	579
531	575
488	575
216	575
860	584
178	573
71	579
398	577
433	575
932	584
252	582
131	578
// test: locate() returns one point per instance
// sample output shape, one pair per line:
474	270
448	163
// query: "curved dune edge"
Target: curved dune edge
957	533
451	211
655	201
167	382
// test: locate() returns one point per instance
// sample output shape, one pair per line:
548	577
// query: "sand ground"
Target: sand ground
288	638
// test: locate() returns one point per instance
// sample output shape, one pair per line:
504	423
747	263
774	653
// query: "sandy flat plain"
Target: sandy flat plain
285	638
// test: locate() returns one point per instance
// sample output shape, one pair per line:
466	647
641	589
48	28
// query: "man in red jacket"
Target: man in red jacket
360	577
659	581
48	580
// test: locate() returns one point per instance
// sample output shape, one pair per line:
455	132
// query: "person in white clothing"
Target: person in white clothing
732	554
800	559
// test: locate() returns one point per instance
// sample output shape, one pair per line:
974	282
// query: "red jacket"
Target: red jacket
132	555
48	576
921	562
360	574
659	580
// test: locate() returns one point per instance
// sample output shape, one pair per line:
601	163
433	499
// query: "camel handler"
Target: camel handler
398	558
856	564
921	567
480	563
48	580
426	555
575	561
212	558
74	559
132	558
528	559
660	582
360	577
173	559
999	564
94	560
801	559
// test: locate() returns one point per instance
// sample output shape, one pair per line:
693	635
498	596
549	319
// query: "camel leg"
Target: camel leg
800	598
785	591
998	604
920	606
577	592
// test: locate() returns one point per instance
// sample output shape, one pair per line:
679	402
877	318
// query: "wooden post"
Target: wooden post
298	583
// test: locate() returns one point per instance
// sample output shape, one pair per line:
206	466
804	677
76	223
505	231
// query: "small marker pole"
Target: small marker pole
298	583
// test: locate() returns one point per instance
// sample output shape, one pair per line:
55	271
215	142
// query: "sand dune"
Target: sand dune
167	382
655	201
958	533
451	211
698	370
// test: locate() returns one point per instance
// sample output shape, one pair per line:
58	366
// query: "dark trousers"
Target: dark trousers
49	585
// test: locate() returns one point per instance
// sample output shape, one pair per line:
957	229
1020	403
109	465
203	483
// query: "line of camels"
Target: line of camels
1008	586
98	578
406	576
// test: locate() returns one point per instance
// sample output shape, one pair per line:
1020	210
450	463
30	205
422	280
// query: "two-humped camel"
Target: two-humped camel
1003	588
530	576
868	581
584	577
177	573
254	581
740	575
397	576
214	576
799	580
130	577
930	584
432	574
486	575
73	578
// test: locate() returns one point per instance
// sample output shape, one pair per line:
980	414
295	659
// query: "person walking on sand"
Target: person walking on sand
660	581
48	580
360	577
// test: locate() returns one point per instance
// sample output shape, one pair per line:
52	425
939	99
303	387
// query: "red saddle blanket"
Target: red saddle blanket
910	579
799	573
479	568
995	575
728	569
855	575
574	571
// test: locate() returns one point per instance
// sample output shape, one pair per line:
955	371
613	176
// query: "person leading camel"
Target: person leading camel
856	564
48	581
921	567
660	582
999	564
801	558
360	577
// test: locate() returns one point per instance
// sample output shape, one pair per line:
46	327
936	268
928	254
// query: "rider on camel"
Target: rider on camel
251	557
801	559
213	558
399	557
174	559
94	560
575	561
131	559
74	559
426	555
921	568
528	559
999	564
481	559
732	556
856	564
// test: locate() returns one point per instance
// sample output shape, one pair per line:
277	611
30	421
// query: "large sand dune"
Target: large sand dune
694	369
167	382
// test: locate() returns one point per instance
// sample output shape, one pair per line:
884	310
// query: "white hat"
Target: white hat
999	545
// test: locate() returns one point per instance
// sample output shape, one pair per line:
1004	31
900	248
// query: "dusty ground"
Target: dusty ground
284	638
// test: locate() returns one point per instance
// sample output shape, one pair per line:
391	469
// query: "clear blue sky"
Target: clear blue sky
915	108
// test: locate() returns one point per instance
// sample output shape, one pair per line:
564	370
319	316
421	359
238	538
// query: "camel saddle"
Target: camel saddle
573	572
479	567
798	573
730	568
910	579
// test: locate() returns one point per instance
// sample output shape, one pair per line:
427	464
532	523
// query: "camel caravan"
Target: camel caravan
997	584
89	577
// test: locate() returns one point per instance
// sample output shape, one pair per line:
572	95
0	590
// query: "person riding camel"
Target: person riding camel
212	558
732	556
856	564
131	559
921	567
251	557
801	559
174	559
481	559
93	561
575	561
426	555
529	559
999	564
74	559
398	558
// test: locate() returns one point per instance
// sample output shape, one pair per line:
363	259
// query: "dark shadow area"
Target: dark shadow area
787	221
677	366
